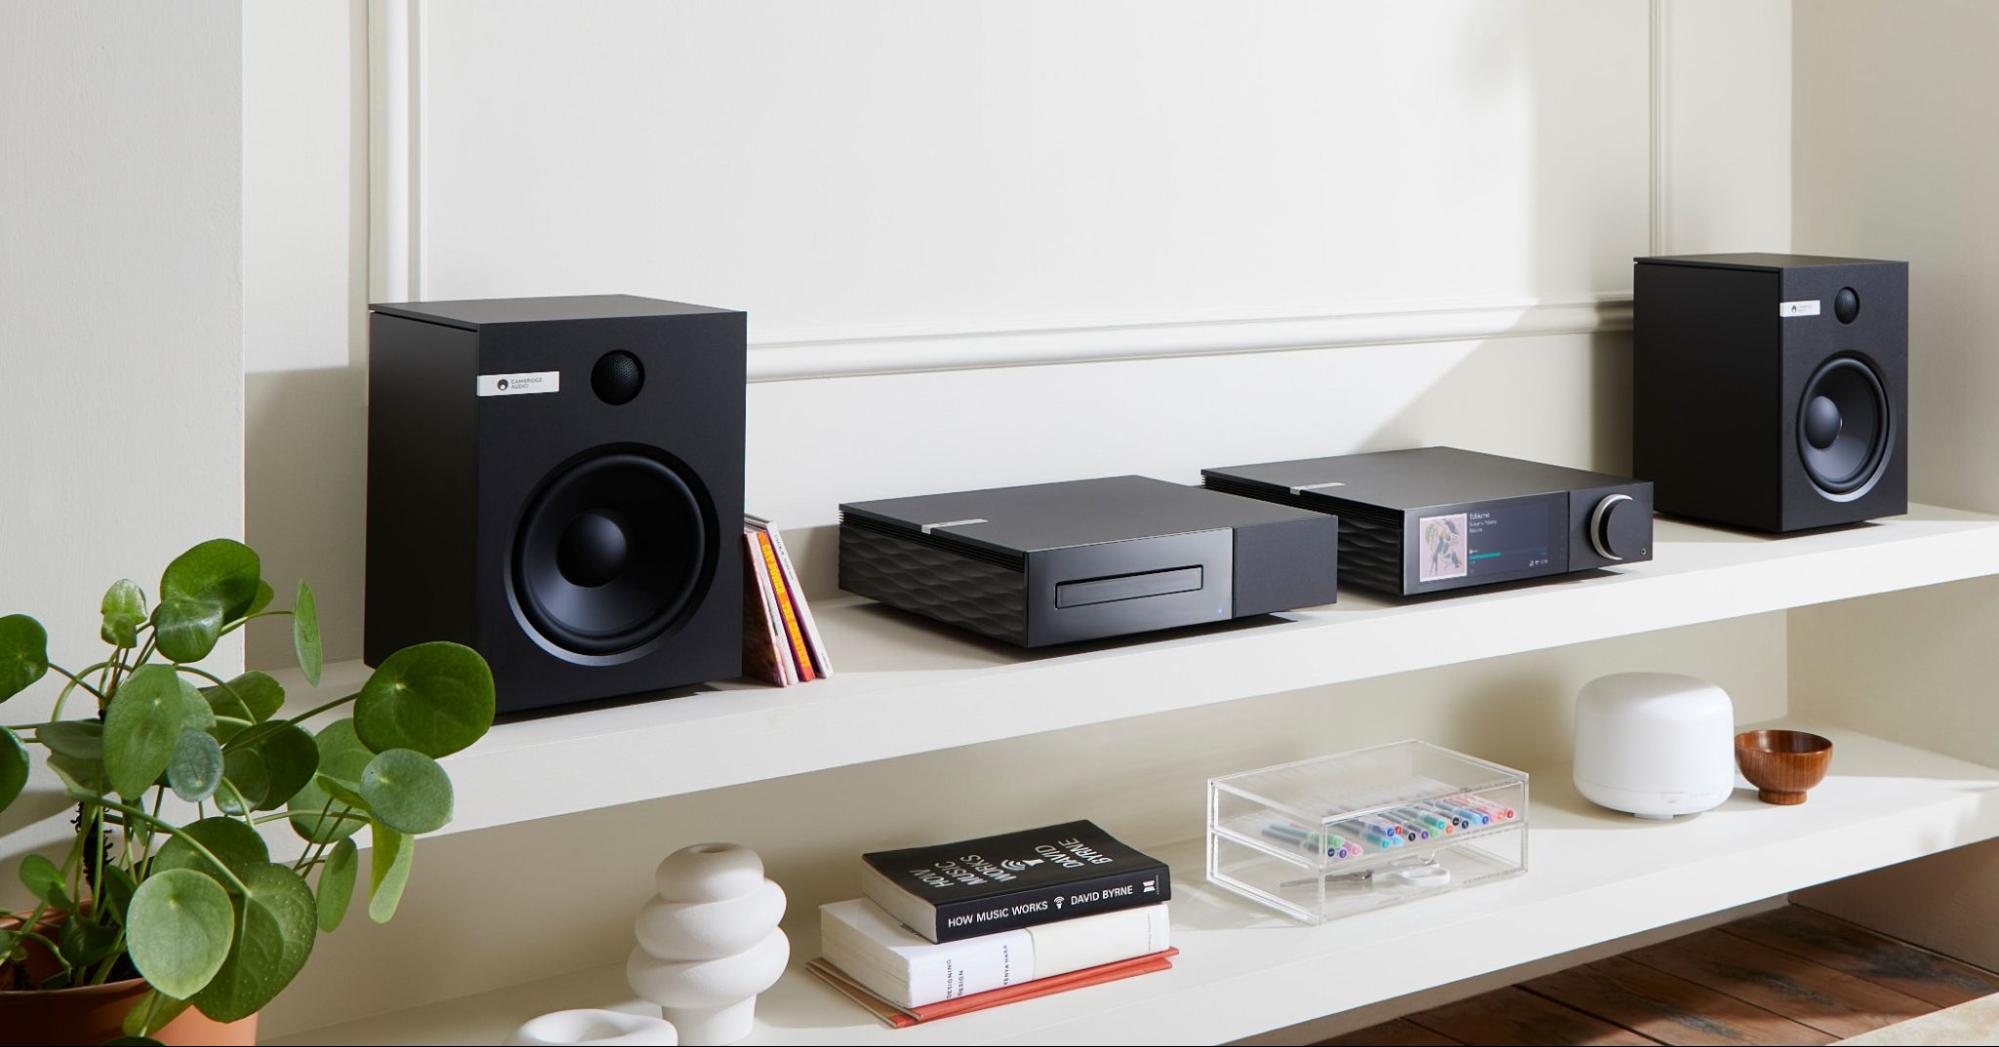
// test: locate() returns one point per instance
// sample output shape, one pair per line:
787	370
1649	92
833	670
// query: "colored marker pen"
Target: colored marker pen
1433	822
1376	834
1456	818
1482	804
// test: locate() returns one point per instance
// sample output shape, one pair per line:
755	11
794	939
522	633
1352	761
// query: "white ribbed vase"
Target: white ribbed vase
709	942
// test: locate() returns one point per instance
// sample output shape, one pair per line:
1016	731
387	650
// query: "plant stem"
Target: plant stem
133	812
77	681
271	727
55	711
242	804
248	618
345	814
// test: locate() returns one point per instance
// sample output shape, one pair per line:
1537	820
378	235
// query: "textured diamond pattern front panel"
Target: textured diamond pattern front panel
1371	553
972	594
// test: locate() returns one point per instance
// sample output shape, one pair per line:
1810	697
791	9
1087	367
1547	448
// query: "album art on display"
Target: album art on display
1433	519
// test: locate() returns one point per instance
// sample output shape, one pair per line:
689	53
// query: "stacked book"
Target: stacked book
781	643
965	926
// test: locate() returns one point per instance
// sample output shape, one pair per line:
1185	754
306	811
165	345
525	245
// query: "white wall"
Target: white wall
121	362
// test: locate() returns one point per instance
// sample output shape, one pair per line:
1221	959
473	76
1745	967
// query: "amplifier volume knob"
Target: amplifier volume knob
1617	527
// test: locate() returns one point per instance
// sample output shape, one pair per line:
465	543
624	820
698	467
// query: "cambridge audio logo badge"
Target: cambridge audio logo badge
521	384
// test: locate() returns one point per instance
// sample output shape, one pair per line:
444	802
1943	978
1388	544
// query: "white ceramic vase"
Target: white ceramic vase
573	1028
709	942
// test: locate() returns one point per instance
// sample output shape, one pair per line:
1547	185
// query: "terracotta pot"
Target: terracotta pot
1782	765
93	1014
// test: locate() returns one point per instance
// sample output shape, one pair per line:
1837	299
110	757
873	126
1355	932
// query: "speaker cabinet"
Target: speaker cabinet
1770	392
558	484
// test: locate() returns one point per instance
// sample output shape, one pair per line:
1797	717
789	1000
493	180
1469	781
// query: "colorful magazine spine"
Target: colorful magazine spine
817	646
791	629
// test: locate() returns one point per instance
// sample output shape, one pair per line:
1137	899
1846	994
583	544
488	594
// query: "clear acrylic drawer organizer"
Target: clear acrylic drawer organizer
1342	834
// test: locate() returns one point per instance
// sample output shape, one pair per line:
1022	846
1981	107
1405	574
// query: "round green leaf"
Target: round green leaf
265	594
186	629
24	654
388	871
336	884
83	739
84	776
407	791
124	610
43	880
436	698
248	781
148	1015
220	571
341	790
279	922
290	757
116	890
251	696
195	769
237	845
305	634
84	941
143	724
179	930
342	757
13	767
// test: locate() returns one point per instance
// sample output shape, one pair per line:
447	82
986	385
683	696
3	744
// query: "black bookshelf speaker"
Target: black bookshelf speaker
1770	392
558	484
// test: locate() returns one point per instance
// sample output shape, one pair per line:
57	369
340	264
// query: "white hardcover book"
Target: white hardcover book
773	622
904	968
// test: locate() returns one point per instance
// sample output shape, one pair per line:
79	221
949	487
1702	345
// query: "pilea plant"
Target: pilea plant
184	892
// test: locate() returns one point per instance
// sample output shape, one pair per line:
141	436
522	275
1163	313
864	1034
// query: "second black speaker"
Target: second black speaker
558	484
1770	391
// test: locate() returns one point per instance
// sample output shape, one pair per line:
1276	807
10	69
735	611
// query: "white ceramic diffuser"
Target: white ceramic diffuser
709	943
1654	744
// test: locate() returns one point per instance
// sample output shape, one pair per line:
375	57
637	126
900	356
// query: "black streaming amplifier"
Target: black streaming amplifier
1432	519
1086	559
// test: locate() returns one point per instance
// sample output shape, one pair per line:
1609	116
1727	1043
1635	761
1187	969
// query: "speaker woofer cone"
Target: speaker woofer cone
1844	426
612	552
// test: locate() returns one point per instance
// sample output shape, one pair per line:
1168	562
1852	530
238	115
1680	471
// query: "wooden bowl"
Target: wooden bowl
1782	764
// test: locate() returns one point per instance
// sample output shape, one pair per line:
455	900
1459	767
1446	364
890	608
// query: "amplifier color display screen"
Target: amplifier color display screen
1482	542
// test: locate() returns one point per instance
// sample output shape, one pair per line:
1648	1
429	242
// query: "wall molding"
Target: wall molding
395	141
854	357
395	254
1660	86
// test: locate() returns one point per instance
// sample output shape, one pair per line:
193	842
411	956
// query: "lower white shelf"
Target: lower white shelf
1593	876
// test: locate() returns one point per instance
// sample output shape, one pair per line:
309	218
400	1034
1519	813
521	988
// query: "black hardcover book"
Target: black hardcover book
998	883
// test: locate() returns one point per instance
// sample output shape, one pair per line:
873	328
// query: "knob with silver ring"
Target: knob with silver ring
1616	526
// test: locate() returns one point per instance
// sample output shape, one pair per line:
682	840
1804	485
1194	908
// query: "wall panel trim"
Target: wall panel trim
848	357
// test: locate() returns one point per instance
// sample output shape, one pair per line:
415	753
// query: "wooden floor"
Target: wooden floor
1789	976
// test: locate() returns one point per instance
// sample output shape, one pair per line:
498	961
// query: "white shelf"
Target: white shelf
1592	876
905	685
